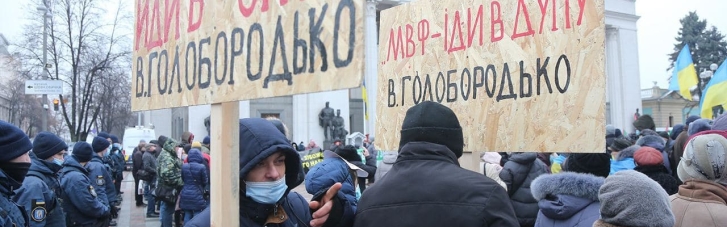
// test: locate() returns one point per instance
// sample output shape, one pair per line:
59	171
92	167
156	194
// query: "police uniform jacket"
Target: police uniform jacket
11	214
40	194
101	180
83	206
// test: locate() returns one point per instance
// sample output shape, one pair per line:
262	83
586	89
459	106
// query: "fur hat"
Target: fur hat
627	153
581	185
720	123
620	144
435	123
691	119
98	144
699	125
648	156
596	164
630	198
644	122
47	144
13	142
655	142
676	131
705	158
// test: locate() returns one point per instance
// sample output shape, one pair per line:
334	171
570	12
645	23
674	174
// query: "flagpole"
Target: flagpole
366	121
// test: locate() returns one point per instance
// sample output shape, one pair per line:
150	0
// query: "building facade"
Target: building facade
668	108
5	75
300	112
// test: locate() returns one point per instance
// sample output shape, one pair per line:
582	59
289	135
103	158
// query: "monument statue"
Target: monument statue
325	119
339	130
207	124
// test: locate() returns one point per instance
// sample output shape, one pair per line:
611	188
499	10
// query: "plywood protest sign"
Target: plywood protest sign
194	52
521	75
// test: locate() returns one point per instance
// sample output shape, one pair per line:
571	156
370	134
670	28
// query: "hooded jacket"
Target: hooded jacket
326	173
169	166
195	177
700	203
624	160
567	199
520	170
386	163
260	139
490	166
83	207
41	189
427	187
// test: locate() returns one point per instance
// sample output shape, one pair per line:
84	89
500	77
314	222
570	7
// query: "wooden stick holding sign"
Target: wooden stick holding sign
225	168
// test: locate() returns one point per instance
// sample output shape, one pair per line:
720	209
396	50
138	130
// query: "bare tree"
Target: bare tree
25	110
84	48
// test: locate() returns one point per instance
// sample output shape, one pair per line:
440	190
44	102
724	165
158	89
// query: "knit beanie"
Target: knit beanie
699	125
99	144
627	153
648	156
206	140
13	142
620	144
705	158
691	119
104	135
720	123
676	130
597	164
434	123
114	139
82	151
47	144
196	144
630	198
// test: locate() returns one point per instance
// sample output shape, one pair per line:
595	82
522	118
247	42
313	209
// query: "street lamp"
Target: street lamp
46	14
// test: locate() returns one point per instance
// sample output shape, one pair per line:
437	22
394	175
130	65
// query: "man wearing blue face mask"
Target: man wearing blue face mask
41	191
101	177
269	171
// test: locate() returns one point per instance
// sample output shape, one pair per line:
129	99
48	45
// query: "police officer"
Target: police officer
41	190
119	164
14	165
81	204
101	178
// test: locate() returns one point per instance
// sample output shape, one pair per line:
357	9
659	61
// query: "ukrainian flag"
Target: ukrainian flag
685	76
365	100
715	93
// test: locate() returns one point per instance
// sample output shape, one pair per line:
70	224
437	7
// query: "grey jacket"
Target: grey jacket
519	171
386	164
150	164
567	199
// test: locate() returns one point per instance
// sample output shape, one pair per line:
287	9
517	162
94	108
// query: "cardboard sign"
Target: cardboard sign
196	52
520	75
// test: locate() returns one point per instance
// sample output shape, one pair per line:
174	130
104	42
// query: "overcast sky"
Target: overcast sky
657	27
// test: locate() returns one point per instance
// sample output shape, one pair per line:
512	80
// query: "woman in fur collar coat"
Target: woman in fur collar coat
567	199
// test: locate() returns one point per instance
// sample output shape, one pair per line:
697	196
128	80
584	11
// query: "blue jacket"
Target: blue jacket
101	180
194	175
11	214
81	203
259	139
567	199
326	173
40	193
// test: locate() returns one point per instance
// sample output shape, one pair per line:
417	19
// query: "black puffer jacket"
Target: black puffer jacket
427	187
519	171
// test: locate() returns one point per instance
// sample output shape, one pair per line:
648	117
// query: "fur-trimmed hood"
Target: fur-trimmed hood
567	183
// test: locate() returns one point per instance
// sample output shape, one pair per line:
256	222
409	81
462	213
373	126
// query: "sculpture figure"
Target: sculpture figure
325	119
339	131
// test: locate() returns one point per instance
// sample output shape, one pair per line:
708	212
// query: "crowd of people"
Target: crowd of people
644	178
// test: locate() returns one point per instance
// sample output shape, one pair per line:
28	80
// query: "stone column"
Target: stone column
372	56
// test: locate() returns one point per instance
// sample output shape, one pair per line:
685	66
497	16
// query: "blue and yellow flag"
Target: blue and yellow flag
715	93
365	100
685	76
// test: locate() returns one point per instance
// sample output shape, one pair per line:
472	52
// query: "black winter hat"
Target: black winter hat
187	148
114	139
620	144
349	153
82	151
597	164
47	144
99	144
104	135
161	141
13	142
435	123
645	122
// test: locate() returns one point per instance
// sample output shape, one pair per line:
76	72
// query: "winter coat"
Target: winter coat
138	159
660	174
520	170
194	175
13	214
120	163
40	194
493	172
101	180
624	164
261	139
700	203
567	199
83	207
427	187
386	163
169	166
326	173
150	165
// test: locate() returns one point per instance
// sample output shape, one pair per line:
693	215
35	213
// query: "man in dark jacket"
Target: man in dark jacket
41	190
268	160
150	167
137	159
101	179
426	186
519	171
81	202
14	165
119	160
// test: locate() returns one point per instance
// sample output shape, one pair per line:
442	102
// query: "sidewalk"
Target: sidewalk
130	215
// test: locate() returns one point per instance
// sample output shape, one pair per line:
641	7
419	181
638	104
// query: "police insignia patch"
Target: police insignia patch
38	213
100	181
